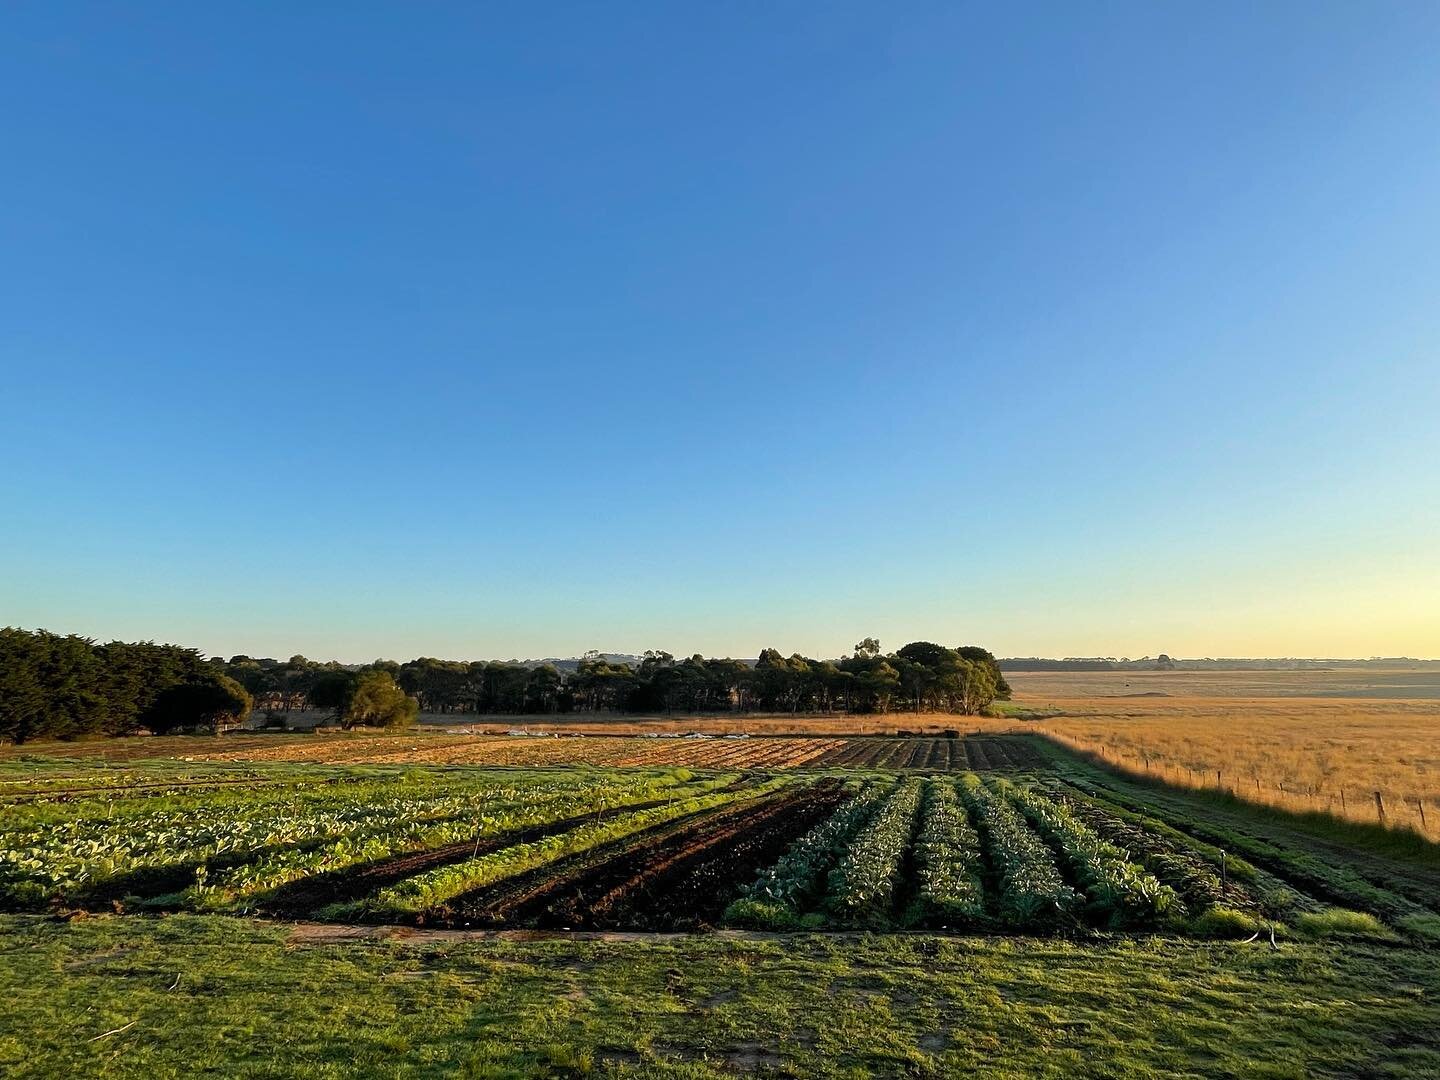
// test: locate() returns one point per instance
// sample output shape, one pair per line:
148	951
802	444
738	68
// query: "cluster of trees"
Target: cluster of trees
921	676
64	687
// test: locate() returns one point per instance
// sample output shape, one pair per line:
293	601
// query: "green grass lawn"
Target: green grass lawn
221	996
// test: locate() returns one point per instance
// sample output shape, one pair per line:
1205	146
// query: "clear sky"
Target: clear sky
481	330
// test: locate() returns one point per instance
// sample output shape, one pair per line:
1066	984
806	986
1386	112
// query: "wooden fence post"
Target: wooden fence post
1342	800
1420	805
1380	807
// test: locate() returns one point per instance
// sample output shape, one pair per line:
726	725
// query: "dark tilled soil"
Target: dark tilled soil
673	878
978	752
1002	752
309	894
690	888
976	755
494	905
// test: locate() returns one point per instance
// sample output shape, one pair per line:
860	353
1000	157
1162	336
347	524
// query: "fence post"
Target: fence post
1420	805
1380	807
1342	800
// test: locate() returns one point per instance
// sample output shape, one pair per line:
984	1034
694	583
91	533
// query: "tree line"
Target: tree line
54	686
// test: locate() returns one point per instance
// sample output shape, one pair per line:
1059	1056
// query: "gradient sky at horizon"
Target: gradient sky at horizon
516	330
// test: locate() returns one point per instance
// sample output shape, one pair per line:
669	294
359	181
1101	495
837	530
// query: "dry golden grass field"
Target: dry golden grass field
1304	741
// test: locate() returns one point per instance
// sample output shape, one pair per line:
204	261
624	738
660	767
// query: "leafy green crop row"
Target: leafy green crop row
1120	891
1032	892
1200	882
862	885
948	865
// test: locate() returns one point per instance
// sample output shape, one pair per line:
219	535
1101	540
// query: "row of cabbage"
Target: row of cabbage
862	886
949	868
853	868
1032	890
1204	877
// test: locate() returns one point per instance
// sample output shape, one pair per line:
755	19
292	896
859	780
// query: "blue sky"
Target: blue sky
516	330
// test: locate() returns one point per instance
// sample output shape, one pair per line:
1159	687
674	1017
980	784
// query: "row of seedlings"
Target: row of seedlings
1032	892
782	894
861	888
949	870
1119	892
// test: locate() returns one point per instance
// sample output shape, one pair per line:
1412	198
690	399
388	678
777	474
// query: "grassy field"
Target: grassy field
1412	684
187	995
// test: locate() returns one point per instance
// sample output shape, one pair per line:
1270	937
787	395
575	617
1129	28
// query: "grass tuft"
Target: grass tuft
1218	921
1339	922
